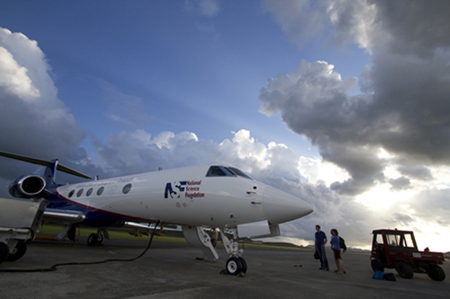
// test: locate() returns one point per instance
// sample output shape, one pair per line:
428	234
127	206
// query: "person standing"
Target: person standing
336	247
320	241
214	237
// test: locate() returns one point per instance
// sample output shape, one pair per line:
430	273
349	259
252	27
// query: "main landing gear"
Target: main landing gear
96	239
235	265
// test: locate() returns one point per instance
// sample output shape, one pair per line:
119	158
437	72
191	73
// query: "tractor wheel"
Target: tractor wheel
404	270
436	273
376	265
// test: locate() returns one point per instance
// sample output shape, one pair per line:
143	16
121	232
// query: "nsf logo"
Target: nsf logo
174	190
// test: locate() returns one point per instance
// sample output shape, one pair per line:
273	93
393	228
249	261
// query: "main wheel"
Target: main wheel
94	239
234	266
4	251
17	252
436	273
404	270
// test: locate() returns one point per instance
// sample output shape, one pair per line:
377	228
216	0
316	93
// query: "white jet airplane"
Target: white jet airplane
197	198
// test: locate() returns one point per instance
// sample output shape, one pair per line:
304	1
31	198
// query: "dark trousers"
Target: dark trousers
322	257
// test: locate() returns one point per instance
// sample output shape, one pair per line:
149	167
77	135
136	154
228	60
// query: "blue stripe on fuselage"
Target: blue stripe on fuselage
94	217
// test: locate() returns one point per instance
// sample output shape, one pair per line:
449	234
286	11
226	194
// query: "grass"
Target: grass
51	230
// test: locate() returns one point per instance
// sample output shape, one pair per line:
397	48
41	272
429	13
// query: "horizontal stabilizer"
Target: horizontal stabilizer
45	163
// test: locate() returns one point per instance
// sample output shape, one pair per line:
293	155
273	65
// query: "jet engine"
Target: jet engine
27	187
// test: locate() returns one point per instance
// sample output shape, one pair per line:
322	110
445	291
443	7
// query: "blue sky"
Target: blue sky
343	103
188	70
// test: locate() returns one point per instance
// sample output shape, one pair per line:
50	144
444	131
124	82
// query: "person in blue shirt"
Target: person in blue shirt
320	241
335	246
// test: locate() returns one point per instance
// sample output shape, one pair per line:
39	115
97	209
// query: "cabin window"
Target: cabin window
79	192
89	192
126	188
215	171
100	191
71	193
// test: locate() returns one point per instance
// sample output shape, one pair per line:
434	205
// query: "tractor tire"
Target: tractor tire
436	273
376	265
405	270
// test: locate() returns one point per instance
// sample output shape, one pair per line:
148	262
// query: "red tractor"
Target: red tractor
398	249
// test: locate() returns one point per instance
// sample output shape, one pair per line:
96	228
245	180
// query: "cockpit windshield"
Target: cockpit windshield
237	172
226	171
216	171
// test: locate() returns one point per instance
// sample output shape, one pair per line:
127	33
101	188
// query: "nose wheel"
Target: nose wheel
235	266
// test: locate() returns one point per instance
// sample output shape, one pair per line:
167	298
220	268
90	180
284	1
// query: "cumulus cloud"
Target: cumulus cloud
389	143
32	118
399	27
403	109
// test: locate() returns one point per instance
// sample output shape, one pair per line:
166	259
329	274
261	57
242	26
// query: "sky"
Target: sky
342	103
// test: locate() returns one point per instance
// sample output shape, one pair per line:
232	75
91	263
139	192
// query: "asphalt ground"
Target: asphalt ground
171	270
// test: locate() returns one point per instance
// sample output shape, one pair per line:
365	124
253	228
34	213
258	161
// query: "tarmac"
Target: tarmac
171	270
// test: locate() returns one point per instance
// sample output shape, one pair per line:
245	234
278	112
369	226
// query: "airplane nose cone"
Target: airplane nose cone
280	206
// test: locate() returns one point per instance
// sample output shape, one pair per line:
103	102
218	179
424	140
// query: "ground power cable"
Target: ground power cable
55	266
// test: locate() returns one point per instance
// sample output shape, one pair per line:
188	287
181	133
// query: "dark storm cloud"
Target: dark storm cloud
404	107
413	27
419	172
401	183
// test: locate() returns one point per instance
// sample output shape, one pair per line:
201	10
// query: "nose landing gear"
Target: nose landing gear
235	265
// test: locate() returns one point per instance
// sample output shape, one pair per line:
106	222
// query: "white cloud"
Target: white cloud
33	120
14	79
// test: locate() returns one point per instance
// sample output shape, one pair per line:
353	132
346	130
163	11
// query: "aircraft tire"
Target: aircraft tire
92	239
17	252
244	265
4	251
234	266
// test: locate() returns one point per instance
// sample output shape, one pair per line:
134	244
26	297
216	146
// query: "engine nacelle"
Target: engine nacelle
27	187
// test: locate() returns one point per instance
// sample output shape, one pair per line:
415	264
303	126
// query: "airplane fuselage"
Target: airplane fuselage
198	197
185	196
